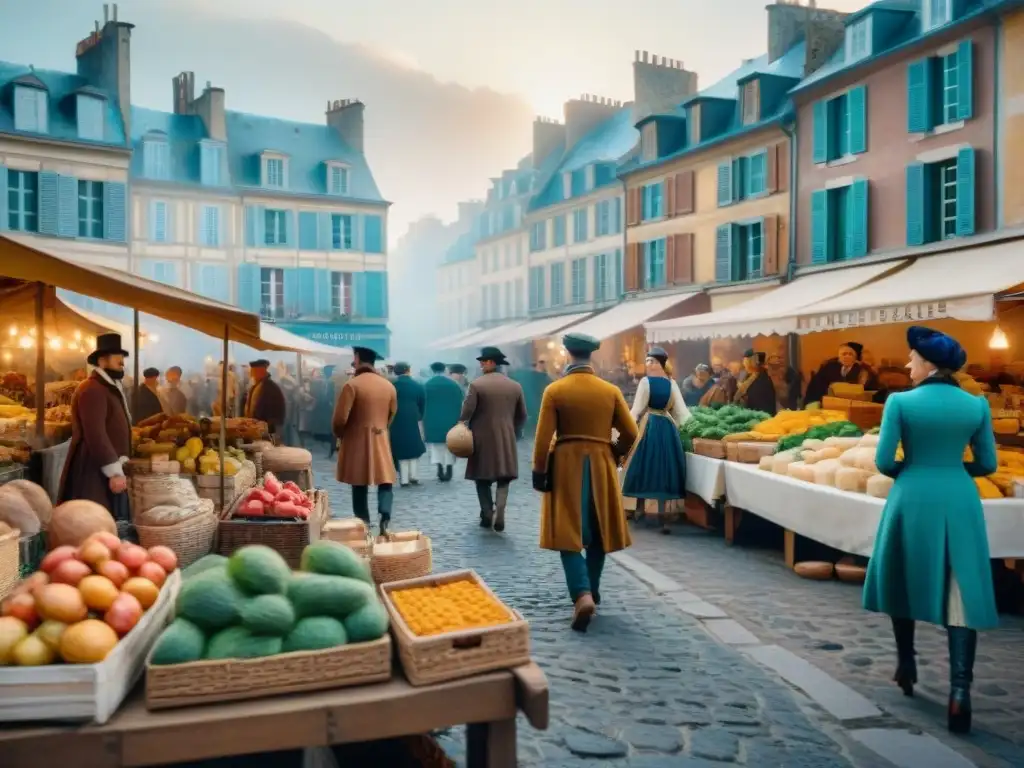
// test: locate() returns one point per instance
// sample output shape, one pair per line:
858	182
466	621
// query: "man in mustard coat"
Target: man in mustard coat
574	466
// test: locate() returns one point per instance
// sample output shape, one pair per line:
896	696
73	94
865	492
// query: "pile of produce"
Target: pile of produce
14	388
718	423
237	428
253	605
82	601
162	428
25	506
1000	484
275	499
797	422
820	432
452	607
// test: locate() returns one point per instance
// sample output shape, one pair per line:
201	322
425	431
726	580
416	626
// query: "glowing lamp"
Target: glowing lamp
998	340
55	343
26	342
12	331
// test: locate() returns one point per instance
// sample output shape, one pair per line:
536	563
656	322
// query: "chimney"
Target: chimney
584	113
659	84
184	86
788	24
548	136
210	108
104	60
825	36
346	117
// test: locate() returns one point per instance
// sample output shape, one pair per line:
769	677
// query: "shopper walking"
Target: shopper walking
406	435
931	556
443	406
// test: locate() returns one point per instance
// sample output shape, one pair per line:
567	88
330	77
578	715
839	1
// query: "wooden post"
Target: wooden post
40	364
733	518
491	745
136	333
789	547
224	417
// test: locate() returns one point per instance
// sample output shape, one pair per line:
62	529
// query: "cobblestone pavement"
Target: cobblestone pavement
647	685
823	622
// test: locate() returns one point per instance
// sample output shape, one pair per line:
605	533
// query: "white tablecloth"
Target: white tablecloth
705	477
843	520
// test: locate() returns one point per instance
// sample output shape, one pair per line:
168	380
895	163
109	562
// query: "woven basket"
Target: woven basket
286	459
394	560
287	537
9	559
207	682
460	441
189	539
454	655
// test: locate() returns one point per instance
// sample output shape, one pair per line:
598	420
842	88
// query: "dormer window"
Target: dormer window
275	171
156	157
212	155
567	185
935	13
91	113
750	99
649	142
858	39
31	112
693	123
337	179
590	181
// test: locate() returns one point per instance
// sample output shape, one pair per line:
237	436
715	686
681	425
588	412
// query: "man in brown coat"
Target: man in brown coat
101	433
364	411
265	401
495	411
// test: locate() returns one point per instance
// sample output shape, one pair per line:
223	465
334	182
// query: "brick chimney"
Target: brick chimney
104	59
209	106
548	136
789	22
184	86
659	84
582	114
346	117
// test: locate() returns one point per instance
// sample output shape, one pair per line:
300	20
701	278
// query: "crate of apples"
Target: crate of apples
82	601
275	499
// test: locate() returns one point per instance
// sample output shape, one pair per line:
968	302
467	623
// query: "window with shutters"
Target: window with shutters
750	97
840	126
602	277
22	201
272	293
652	201
275	172
579	281
649	142
158	229
341	294
211	163
210	227
858	40
557	285
31	109
538	236
579	225
757	174
654	263
337	177
944	174
275	227
519	297
558	234
935	13
341	232
536	288
949	66
839	222
156	159
603	218
90	209
840	119
940	199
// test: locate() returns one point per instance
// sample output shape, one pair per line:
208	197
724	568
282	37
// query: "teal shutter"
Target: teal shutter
857	220
289	229
323	231
965	82
322	284
307	231
255	226
619	292
617	215
359	293
291	291
357	233
724	183
919	96
67	206
740	173
820	250
385	304
918	232
819	152
373	234
723	253
49	202
3	198
306	301
249	287
965	192
375	294
857	103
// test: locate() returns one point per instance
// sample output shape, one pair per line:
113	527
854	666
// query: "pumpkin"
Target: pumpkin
36	497
75	521
17	513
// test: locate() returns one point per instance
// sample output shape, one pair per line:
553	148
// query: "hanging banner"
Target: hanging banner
975	308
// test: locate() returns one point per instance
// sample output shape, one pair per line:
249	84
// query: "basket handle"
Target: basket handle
465	643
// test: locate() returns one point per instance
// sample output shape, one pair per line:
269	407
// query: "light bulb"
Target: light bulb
12	331
55	343
25	342
998	340
7	357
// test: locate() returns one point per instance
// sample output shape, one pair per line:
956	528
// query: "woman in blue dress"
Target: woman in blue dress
931	556
656	465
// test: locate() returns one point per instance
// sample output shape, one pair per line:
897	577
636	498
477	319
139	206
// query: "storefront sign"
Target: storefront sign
907	313
342	334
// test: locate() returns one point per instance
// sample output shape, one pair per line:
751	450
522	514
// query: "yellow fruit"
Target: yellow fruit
182	454
12	632
33	652
50	632
189	464
87	642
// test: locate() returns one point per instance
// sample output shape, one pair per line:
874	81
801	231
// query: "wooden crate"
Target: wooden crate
86	692
747	452
288	537
454	655
713	449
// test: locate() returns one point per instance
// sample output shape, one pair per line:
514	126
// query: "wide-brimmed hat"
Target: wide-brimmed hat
493	354
936	347
107	344
366	355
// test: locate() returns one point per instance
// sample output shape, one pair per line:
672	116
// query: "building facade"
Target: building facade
457	293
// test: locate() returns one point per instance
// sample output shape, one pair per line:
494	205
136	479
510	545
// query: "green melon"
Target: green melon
315	633
240	643
335	596
367	623
333	559
259	570
268	615
210	600
179	643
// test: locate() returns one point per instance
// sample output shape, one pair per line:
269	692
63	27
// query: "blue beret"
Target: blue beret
937	348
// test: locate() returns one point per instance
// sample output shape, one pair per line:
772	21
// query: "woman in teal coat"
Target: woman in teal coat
406	439
931	556
444	404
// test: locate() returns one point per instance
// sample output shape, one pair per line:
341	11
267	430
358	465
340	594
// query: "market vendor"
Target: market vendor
847	366
264	401
148	401
756	391
697	384
175	399
101	434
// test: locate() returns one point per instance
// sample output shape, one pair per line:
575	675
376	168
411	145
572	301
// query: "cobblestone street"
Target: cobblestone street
647	685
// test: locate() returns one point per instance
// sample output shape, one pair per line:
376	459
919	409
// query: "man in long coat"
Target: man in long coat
101	433
265	401
148	402
495	411
174	398
574	466
406	438
444	404
367	405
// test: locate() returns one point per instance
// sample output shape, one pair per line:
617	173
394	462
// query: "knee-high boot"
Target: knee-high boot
906	667
963	643
483	495
501	500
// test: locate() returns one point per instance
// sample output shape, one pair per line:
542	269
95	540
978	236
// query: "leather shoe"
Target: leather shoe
583	612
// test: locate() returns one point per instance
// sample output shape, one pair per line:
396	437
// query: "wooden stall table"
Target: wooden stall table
137	737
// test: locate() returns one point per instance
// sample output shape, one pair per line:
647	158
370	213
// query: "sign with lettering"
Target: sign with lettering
978	308
342	334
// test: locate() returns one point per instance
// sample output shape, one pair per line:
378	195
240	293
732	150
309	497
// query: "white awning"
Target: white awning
772	312
126	332
453	341
283	339
961	285
540	328
488	336
626	315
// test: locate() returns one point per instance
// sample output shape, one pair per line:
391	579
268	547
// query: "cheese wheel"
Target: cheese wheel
852	479
879	486
798	470
782	460
825	472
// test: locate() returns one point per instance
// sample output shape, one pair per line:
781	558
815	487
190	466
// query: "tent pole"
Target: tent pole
298	378
135	362
40	363
224	418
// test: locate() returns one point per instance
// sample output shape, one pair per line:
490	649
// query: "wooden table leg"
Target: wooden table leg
733	518
789	548
491	745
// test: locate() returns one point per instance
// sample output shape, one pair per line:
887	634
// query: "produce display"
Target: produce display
252	605
25	506
14	388
451	607
159	500
820	432
797	422
718	423
275	499
237	428
82	601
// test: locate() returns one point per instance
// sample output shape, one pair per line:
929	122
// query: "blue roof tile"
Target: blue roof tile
183	134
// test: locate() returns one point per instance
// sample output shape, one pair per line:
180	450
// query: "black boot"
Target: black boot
440	472
448	473
963	643
502	501
906	667
483	495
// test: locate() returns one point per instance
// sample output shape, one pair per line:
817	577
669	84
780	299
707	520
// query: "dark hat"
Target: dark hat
937	348
365	354
658	354
328	371
457	368
150	373
760	357
580	344
261	363
858	349
493	354
703	368
107	344
401	368
437	367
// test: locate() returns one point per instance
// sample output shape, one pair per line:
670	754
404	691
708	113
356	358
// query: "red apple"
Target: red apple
132	556
70	572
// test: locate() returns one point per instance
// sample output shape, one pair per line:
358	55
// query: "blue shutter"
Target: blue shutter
857	103
357	233
740	172
359	293
291	291
965	82
723	253
205	164
820	250
857	221
385	304
819	153
3	198
49	203
157	222
115	211
306	298
307	231
375	294
249	287
724	183
617	215
965	192
373	234
289	229
323	227
67	206
618	284
322	288
917	229
255	226
919	96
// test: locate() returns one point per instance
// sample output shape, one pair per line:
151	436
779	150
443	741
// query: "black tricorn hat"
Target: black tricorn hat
493	354
261	363
107	344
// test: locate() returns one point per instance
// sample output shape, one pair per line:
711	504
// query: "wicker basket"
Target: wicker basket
395	560
9	559
207	682
289	538
454	655
282	459
189	539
